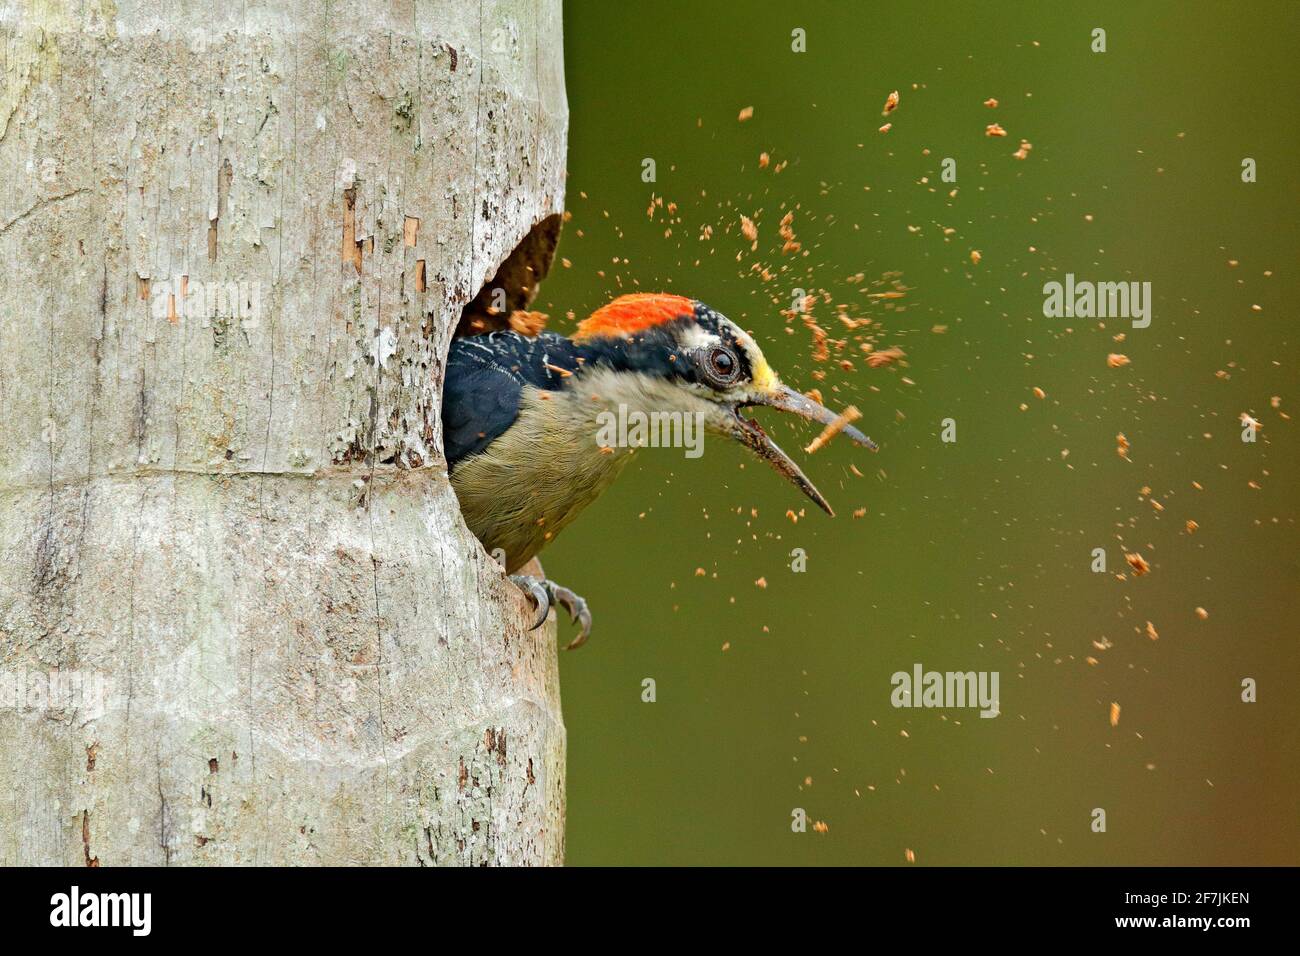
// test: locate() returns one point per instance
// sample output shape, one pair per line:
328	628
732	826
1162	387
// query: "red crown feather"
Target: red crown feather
634	312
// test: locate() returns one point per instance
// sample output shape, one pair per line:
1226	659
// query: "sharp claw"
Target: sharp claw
584	616
546	593
578	612
543	602
537	593
569	601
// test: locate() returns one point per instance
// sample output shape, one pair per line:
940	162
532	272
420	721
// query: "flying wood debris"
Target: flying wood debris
884	357
528	323
846	417
1138	563
786	231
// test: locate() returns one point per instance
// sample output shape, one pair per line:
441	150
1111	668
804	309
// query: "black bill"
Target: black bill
750	433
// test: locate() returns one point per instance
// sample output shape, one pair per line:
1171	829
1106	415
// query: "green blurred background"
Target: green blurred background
973	555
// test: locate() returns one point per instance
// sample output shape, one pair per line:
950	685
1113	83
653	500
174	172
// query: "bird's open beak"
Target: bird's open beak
751	434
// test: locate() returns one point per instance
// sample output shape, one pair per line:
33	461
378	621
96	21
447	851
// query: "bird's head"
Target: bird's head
668	353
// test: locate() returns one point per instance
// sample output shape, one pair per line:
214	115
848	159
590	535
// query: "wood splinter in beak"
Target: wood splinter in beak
846	417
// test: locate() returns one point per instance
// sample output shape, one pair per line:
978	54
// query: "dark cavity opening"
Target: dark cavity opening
514	286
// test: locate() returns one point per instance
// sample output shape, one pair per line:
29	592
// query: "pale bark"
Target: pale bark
242	524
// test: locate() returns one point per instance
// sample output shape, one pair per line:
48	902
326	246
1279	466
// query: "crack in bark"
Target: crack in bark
91	861
40	204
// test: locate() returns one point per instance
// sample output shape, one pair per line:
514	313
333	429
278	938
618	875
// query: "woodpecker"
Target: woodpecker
521	418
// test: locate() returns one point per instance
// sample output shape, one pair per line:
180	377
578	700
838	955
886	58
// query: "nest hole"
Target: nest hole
514	286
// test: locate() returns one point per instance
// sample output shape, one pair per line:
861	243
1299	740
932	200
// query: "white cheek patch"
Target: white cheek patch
644	393
694	337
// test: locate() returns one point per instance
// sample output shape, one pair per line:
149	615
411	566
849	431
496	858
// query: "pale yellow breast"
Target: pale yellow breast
537	477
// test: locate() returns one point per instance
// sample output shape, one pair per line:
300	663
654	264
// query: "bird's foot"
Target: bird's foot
546	594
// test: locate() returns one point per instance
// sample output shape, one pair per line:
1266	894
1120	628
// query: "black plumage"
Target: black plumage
486	374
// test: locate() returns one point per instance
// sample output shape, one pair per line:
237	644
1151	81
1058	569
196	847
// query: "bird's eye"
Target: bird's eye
720	366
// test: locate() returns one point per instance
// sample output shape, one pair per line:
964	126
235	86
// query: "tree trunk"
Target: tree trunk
241	620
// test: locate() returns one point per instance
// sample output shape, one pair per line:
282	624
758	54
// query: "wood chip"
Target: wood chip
849	415
528	323
1138	563
884	357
